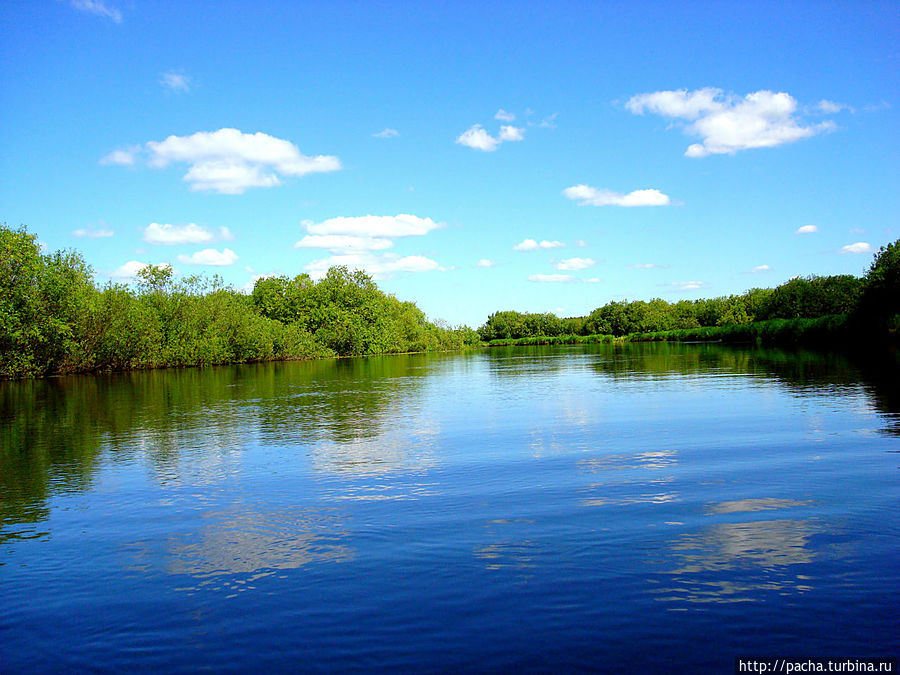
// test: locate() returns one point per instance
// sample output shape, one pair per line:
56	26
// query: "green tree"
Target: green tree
41	298
879	303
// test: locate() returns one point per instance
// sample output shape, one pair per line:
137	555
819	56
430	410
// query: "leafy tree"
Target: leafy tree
880	300
40	300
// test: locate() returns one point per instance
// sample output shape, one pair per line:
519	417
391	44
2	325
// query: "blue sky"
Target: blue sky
473	156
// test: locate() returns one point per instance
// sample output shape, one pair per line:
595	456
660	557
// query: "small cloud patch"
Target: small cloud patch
532	245
551	278
857	248
211	257
586	195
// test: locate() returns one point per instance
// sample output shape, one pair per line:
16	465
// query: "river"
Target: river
636	508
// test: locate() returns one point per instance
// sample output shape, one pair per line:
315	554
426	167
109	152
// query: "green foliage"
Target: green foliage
813	296
40	297
879	305
823	330
53	319
553	340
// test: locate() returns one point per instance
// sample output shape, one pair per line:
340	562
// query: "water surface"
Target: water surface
542	509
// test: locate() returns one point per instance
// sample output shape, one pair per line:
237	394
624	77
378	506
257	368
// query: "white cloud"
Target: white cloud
176	82
831	107
681	103
575	264
806	229
92	233
225	234
130	269
728	123
229	161
587	195
401	225
484	262
228	178
122	156
387	133
532	245
191	233
592	280
210	256
511	133
99	8
645	266
504	116
352	241
477	138
858	247
344	242
686	285
551	278
761	268
581	243
379	266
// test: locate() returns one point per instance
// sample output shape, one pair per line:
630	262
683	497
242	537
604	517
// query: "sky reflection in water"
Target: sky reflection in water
387	511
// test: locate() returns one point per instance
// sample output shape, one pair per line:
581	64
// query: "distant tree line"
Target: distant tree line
54	319
872	301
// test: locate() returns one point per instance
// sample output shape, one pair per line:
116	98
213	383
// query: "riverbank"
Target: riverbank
836	332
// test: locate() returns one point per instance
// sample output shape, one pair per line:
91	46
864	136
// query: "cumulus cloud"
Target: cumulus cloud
532	245
175	82
344	242
401	225
807	229
511	133
592	280
761	268
575	264
504	116
229	161
591	196
225	234
484	262
477	138
728	123
210	256
352	240
551	278
121	156
686	285
130	269
379	266
387	133
98	8
858	247
92	233
164	233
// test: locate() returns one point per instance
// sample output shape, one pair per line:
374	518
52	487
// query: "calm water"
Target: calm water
648	508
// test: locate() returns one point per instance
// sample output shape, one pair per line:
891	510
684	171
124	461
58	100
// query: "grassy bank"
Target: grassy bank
836	332
553	340
823	331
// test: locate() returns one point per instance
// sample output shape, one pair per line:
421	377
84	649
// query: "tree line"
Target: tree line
54	319
871	302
